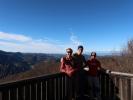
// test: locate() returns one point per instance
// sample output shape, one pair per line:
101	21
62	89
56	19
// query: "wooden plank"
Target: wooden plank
131	88
33	91
55	89
103	86
107	87
112	88
124	88
44	90
0	95
60	82
118	86
50	89
5	94
67	89
21	93
121	74
38	90
63	86
13	94
28	92
121	89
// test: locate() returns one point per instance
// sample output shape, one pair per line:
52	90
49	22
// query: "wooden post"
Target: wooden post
0	96
121	89
44	89
131	88
5	94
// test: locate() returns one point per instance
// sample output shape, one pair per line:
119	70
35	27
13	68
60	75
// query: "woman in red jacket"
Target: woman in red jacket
67	63
67	67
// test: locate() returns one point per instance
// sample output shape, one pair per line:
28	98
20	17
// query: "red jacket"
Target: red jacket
94	66
67	66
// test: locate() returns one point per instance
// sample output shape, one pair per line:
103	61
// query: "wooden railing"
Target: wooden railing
114	86
124	85
48	87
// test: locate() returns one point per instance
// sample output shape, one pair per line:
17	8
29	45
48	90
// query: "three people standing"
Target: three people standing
82	73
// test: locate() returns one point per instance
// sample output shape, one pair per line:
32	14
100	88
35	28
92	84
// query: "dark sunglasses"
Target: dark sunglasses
93	55
69	52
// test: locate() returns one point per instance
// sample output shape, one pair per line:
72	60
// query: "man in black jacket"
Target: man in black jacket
79	63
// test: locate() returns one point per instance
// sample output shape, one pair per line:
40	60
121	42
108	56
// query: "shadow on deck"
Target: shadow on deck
116	86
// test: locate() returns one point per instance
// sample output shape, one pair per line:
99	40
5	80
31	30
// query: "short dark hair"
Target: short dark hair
80	46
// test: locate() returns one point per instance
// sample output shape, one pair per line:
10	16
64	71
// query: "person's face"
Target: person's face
80	51
69	53
93	56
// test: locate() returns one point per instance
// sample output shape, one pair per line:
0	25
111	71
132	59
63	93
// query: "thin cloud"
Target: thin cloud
22	43
34	47
14	37
74	39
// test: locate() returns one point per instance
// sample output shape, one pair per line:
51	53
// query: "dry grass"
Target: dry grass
118	63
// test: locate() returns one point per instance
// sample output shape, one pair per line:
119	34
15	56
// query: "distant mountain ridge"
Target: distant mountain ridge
11	63
16	62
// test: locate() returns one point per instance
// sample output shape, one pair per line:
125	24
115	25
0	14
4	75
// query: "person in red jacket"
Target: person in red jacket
67	63
67	67
93	78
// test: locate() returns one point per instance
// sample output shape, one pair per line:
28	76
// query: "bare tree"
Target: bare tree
130	47
128	50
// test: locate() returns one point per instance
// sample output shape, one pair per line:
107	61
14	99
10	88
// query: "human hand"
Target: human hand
86	68
108	71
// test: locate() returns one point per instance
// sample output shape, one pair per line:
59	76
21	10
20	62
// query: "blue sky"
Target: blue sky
50	26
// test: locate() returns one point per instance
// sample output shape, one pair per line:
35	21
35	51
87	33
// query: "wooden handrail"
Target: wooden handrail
122	74
45	76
